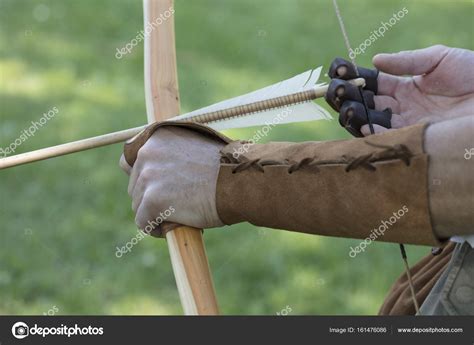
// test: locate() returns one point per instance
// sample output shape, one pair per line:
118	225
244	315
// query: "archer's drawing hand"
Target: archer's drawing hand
176	170
425	85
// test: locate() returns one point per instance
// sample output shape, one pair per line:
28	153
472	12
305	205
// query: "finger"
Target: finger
387	84
143	216
414	62
340	91
398	121
365	129
147	180
138	193
124	165
382	102
134	175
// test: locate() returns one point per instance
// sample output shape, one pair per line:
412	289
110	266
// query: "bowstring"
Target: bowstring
349	49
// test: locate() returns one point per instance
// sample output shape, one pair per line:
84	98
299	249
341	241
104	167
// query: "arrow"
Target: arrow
252	109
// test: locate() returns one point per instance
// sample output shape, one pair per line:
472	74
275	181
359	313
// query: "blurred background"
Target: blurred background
62	219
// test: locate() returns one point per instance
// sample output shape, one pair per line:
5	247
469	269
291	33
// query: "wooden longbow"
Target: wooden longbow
186	246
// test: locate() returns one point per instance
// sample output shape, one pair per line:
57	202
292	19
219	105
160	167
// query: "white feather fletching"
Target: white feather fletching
307	111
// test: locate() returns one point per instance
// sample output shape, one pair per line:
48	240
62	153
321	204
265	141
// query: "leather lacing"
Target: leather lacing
398	151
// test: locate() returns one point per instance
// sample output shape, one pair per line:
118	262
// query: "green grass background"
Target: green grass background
60	220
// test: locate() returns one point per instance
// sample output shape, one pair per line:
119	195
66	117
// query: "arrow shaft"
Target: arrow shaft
121	136
267	104
71	147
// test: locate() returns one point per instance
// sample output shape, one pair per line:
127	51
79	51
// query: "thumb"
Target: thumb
413	62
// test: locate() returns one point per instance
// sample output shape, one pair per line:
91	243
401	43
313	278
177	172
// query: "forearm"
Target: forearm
350	188
451	176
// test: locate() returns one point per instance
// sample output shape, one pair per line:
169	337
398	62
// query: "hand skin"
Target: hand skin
426	85
178	168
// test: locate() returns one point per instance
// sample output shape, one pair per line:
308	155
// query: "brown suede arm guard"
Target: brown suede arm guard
374	187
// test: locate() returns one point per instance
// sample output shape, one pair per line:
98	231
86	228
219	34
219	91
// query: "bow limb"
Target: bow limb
186	246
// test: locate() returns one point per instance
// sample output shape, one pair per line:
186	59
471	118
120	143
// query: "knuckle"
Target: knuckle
151	199
147	198
441	46
147	175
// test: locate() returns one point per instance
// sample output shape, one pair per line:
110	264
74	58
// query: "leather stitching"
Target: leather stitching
366	161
